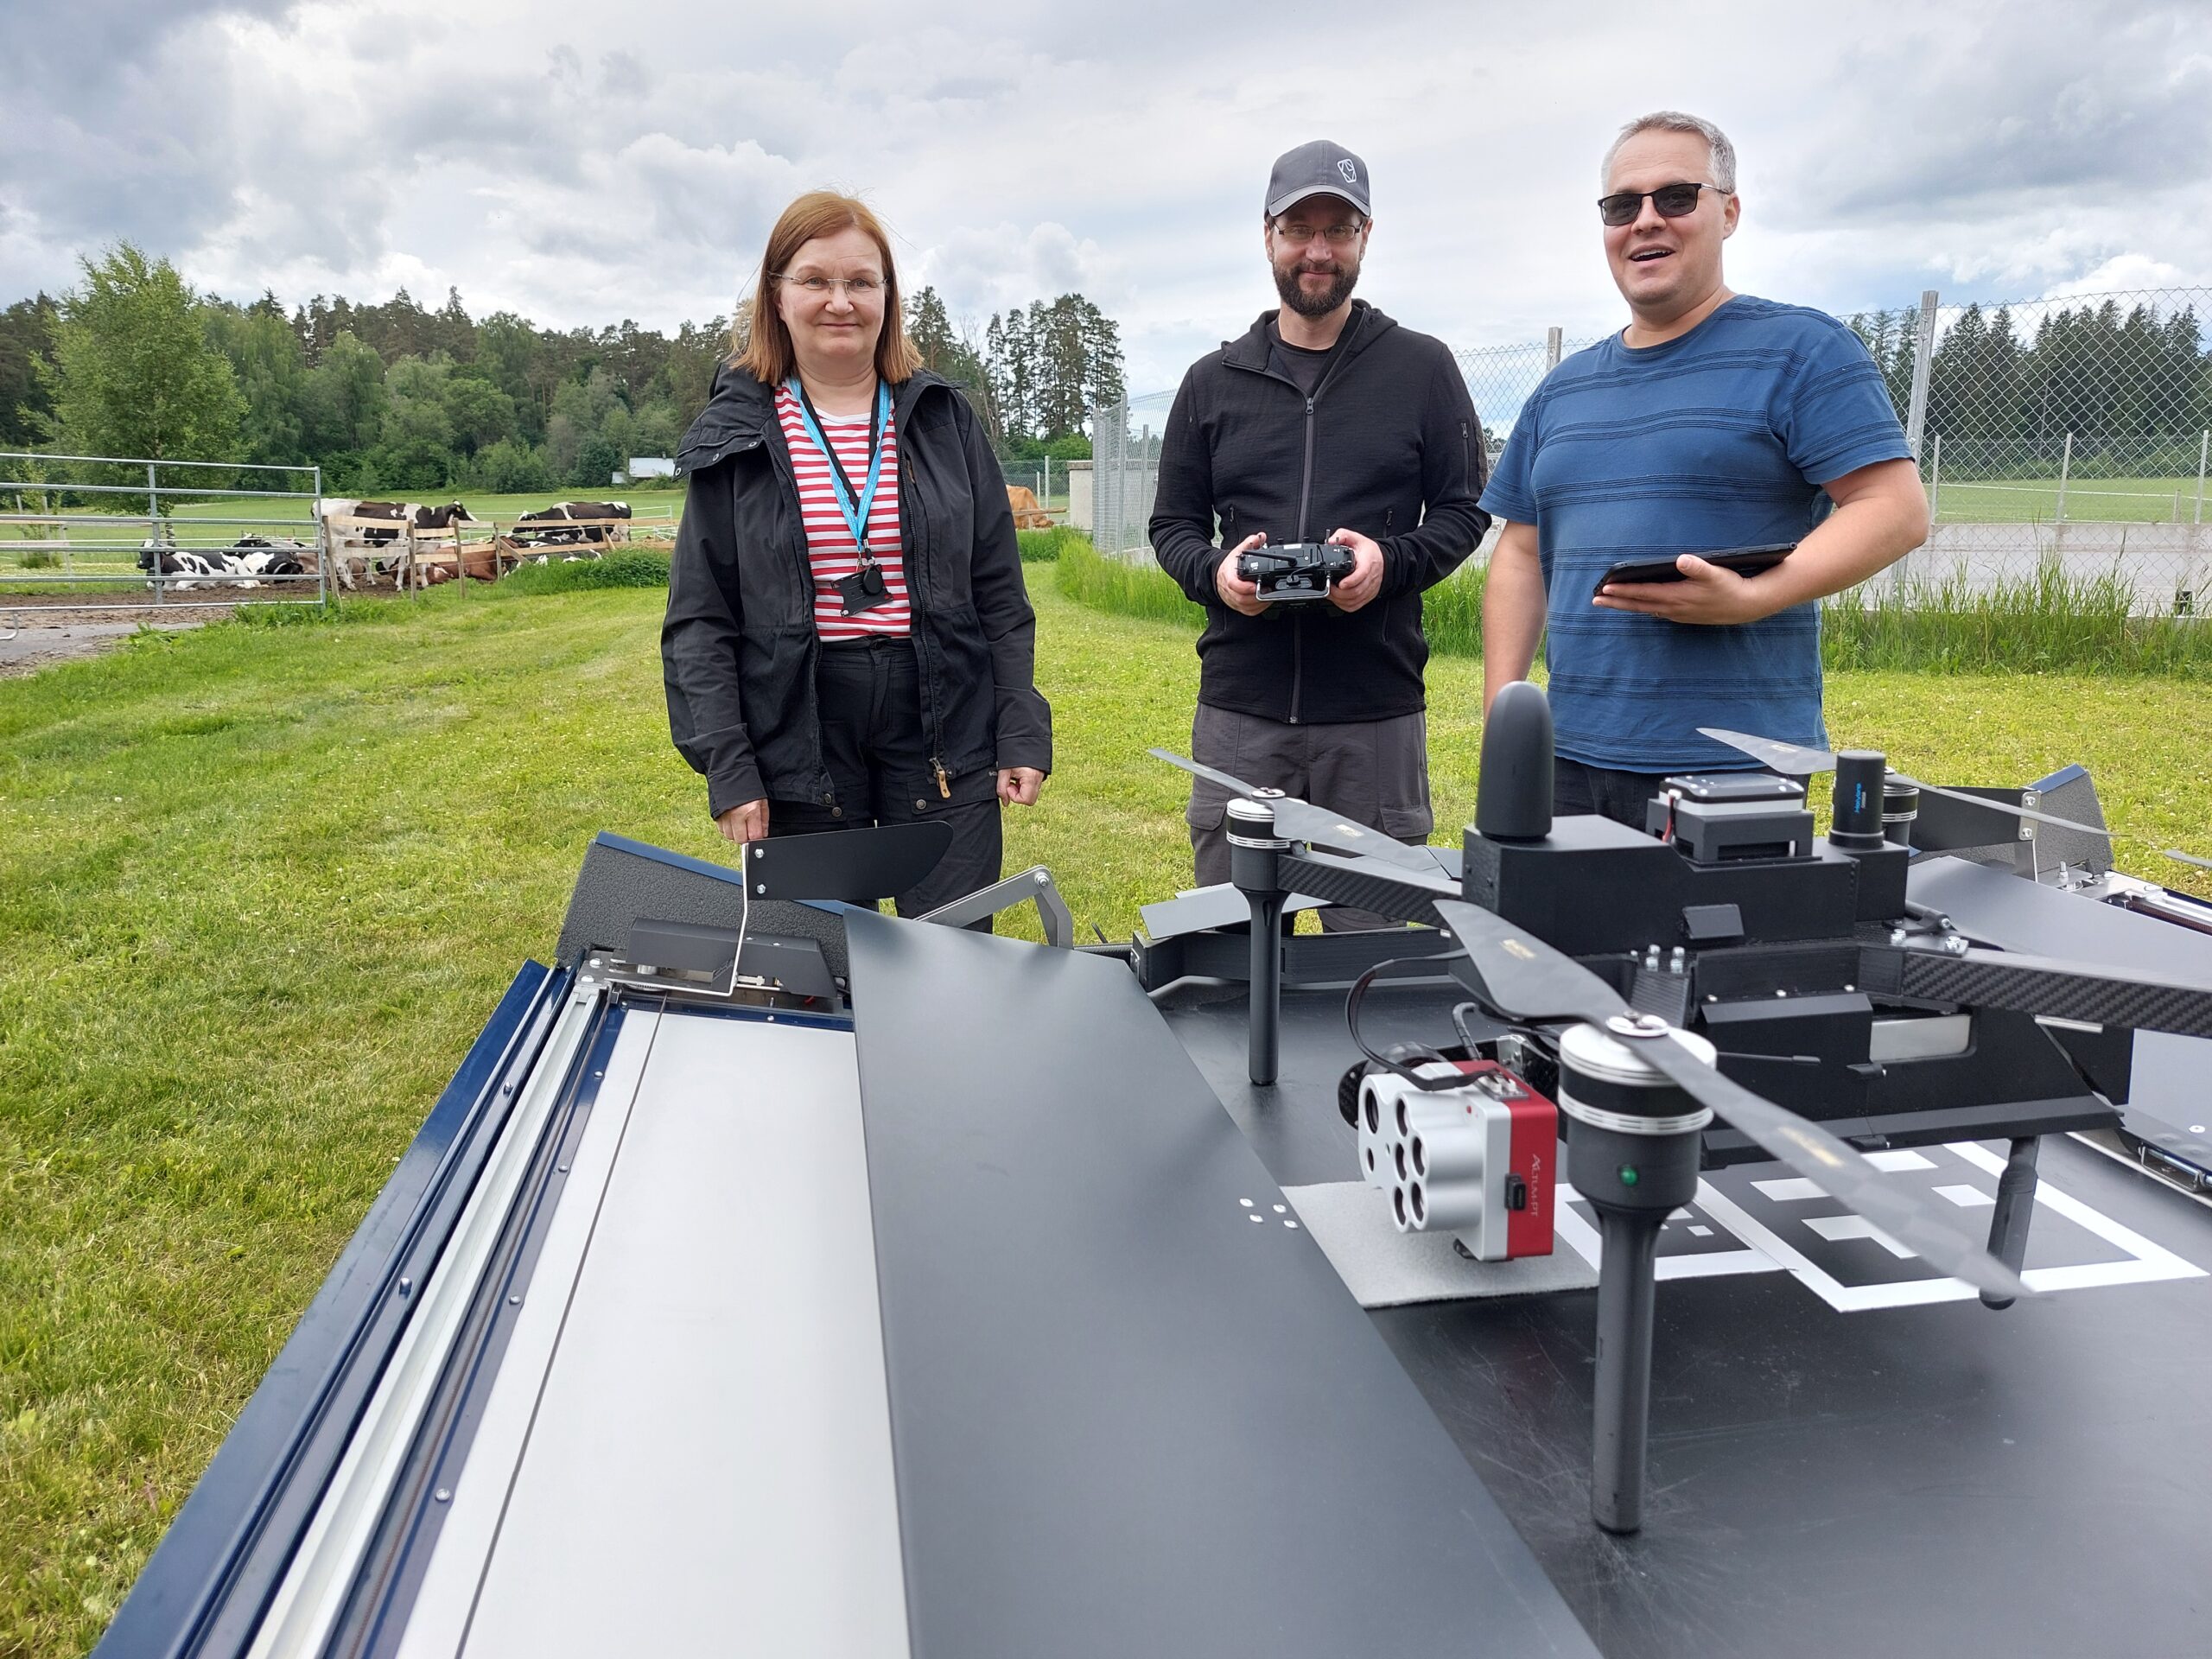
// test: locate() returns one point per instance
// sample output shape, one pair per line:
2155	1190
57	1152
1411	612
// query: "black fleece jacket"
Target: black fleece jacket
1388	445
738	647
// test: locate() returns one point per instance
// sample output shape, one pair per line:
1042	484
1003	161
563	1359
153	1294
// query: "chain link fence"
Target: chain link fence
1125	471
1045	479
2063	442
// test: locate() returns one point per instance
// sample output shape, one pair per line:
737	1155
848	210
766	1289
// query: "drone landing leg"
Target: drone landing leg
1253	846
2016	1207
1634	1179
1622	1417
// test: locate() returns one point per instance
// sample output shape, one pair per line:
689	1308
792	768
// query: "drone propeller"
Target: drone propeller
2188	858
1301	821
1523	978
1797	761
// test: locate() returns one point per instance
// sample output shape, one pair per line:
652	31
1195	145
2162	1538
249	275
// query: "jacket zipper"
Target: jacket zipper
779	458
1305	503
912	528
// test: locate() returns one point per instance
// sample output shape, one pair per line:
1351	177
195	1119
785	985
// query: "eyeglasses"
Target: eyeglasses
819	287
1673	201
1298	235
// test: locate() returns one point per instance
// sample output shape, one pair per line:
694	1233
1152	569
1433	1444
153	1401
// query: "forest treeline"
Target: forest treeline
397	395
2132	388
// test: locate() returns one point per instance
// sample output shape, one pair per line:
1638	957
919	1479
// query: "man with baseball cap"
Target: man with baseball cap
1325	421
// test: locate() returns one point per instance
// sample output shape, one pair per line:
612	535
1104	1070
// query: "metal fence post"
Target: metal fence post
2065	466
1924	353
1555	340
1935	481
321	536
153	532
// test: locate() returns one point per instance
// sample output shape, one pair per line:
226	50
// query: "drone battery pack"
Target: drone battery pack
1479	1161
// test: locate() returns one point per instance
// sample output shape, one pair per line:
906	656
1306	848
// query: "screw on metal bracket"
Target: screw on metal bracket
1955	944
406	1287
1896	936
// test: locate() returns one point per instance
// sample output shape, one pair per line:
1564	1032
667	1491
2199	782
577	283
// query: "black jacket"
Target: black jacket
739	649
1388	445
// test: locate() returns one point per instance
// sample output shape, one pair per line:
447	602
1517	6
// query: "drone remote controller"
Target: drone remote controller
1284	571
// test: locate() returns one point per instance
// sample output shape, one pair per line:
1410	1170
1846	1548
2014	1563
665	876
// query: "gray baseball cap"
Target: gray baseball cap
1321	168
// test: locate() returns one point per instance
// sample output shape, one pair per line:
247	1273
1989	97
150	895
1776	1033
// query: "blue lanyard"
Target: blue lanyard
855	512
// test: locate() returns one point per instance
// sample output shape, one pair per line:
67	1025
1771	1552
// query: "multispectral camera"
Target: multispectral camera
1291	571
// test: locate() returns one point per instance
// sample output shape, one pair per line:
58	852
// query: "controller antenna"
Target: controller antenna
1513	800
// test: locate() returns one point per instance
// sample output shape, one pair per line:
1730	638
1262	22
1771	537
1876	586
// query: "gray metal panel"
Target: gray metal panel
1134	1412
2026	916
710	1466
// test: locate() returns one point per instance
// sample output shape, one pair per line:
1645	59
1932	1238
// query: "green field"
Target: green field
2107	500
195	524
260	886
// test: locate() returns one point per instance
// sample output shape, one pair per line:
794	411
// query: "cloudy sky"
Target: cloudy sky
584	163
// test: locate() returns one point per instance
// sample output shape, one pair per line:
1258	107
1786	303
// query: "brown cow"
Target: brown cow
1027	515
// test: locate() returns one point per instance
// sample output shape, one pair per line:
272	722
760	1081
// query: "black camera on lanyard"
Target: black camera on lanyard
1293	570
865	589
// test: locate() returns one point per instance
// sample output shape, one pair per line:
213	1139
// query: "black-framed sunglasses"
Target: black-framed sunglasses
1673	201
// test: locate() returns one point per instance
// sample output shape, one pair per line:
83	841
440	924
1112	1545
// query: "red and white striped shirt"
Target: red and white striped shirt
830	550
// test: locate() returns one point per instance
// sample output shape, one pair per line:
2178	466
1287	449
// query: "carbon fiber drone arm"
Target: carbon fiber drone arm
1520	976
2026	984
1403	894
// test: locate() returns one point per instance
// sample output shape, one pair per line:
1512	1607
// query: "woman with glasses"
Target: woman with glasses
849	641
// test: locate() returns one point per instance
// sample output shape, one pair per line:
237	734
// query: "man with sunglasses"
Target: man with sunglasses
1325	421
1714	421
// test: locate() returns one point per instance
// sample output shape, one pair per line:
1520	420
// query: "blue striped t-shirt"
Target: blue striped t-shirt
1719	439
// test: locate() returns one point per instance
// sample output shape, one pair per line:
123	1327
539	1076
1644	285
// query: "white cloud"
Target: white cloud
579	167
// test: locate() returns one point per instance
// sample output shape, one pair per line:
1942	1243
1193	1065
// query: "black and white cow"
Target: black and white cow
561	510
203	565
443	517
259	555
345	541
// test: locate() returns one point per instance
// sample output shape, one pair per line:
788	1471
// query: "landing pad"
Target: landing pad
1849	1454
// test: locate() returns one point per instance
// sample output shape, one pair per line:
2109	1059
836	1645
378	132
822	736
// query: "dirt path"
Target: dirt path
30	643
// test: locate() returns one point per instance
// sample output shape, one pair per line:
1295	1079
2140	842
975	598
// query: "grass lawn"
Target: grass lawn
260	886
118	543
2110	500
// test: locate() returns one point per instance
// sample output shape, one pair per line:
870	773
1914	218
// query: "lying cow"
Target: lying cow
203	565
562	510
259	555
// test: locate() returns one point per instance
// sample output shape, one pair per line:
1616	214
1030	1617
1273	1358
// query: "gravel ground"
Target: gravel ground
57	635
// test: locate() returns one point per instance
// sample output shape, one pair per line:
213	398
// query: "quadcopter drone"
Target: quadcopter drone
1721	987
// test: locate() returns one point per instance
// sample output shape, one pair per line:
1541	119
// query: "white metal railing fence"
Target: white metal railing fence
2069	435
54	539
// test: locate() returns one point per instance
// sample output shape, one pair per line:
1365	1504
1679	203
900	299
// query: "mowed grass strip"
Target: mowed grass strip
260	888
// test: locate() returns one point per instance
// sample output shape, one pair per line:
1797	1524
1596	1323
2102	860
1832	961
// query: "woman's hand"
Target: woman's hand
1017	785
750	821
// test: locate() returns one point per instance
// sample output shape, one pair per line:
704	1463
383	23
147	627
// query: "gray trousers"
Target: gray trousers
1372	772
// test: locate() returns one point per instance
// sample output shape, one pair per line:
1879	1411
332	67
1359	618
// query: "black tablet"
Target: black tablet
1744	561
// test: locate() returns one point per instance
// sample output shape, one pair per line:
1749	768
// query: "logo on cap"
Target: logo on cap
1351	173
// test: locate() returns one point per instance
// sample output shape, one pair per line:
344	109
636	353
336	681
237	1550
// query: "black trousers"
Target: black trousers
1373	771
1620	796
878	754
